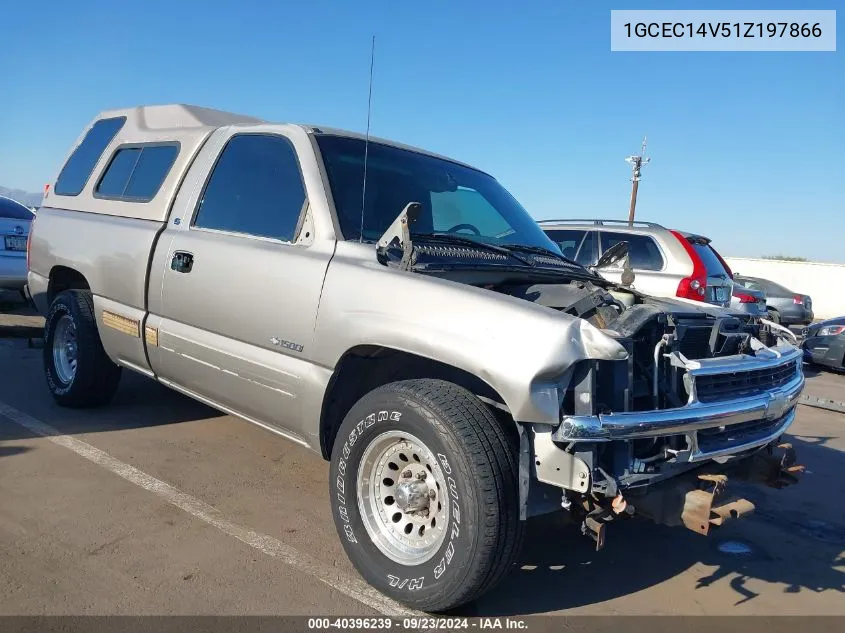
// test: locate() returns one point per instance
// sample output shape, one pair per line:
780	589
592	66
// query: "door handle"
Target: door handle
182	262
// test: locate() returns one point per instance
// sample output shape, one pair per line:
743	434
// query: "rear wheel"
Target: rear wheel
78	371
424	493
774	317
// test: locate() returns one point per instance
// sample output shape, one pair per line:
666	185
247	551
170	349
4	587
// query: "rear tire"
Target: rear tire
436	443
79	372
774	317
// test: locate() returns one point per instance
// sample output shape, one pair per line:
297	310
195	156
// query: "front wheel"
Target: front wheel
424	493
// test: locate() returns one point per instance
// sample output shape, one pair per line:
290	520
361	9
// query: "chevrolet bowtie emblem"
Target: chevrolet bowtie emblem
777	406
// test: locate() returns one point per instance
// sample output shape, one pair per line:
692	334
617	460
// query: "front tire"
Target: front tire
424	493
79	372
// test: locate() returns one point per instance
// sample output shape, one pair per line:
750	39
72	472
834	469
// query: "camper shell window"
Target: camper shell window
136	172
77	170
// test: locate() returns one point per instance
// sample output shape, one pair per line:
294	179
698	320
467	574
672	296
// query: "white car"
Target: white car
665	262
15	220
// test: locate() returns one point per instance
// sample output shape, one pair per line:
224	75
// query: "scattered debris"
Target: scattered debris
822	403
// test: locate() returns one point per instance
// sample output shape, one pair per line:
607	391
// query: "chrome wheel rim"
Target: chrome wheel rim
402	498
65	349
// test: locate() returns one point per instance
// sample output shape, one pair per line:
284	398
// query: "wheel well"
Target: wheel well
64	278
367	367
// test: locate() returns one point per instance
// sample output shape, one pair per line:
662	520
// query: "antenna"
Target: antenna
367	138
637	163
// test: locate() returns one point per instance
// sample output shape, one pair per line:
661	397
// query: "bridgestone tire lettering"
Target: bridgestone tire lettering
477	455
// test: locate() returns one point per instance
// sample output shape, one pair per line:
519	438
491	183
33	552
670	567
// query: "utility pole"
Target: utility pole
637	163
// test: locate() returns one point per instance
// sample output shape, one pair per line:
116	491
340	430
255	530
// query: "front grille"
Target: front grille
735	434
715	387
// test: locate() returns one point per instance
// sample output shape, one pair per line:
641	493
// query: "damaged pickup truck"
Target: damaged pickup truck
403	316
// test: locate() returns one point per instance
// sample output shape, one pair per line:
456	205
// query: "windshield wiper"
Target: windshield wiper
449	238
541	250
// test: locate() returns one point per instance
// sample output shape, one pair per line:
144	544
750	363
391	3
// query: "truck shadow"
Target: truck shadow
795	541
139	403
6	451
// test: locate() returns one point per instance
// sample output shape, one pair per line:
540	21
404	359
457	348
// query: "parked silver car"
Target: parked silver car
15	220
666	263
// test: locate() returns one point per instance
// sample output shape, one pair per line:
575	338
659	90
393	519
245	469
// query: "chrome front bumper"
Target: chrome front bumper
776	405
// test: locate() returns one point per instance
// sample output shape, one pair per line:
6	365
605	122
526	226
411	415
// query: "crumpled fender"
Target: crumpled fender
520	349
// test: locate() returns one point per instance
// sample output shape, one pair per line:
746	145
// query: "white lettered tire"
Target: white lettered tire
424	493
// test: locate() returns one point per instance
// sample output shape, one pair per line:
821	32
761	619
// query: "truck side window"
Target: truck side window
78	168
136	173
255	189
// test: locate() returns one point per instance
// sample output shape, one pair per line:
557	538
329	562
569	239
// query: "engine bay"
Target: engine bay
650	329
663	338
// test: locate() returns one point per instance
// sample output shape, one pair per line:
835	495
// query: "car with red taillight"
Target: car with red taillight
784	305
665	262
750	301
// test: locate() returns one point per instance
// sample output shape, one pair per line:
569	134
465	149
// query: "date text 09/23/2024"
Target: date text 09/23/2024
417	623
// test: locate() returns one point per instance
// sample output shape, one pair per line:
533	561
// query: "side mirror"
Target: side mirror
614	256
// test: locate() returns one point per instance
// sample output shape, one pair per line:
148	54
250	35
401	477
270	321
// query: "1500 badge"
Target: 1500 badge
296	347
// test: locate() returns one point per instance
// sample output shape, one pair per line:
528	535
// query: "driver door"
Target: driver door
240	286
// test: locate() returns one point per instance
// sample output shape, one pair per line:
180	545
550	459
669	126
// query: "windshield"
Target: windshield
455	199
766	286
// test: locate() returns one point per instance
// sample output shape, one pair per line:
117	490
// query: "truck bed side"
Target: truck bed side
108	254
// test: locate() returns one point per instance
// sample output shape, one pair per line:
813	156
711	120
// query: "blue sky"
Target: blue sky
746	147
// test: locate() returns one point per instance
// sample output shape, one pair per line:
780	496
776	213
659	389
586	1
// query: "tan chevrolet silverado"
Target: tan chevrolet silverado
402	315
